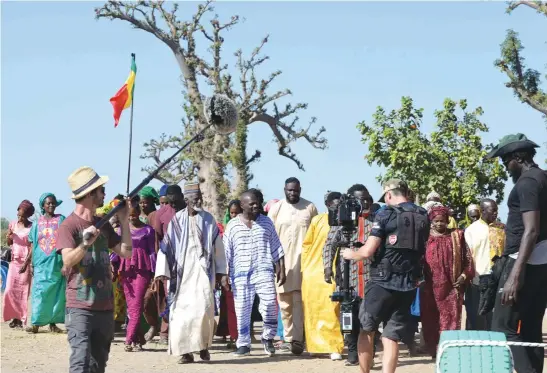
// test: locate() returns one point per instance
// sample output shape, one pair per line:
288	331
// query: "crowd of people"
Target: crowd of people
164	263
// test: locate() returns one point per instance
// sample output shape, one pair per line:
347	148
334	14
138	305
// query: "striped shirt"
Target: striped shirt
251	250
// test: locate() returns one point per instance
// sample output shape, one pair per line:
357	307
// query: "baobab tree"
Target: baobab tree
210	159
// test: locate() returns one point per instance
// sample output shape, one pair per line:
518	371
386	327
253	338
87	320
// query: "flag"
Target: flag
124	97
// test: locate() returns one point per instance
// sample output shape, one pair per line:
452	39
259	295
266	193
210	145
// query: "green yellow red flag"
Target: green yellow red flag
124	97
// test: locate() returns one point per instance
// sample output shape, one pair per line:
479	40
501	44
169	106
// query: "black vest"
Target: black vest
411	232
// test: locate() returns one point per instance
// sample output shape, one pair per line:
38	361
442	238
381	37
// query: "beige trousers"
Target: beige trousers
292	315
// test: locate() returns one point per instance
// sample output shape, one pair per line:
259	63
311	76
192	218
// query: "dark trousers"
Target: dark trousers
90	334
528	312
474	320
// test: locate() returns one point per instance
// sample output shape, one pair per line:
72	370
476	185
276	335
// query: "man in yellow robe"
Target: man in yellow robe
321	315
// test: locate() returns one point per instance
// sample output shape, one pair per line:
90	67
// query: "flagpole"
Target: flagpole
130	133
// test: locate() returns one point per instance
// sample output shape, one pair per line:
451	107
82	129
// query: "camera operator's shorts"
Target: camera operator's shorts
392	306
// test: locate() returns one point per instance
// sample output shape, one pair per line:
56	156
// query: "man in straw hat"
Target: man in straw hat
89	293
190	255
521	298
396	245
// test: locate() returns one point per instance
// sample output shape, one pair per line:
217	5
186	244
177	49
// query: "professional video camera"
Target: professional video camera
346	215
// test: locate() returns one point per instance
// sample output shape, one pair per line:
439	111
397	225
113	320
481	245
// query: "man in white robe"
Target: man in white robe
190	256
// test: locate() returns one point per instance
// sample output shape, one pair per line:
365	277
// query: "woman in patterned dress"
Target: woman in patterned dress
448	269
48	286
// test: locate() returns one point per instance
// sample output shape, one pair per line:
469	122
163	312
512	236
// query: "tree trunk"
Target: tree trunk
239	160
212	180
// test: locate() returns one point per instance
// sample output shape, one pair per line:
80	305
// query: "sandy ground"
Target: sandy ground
48	353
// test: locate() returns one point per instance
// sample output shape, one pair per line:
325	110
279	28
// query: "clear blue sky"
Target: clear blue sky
60	67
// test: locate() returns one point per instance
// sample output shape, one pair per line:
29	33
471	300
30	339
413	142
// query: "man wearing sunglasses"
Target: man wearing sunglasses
521	298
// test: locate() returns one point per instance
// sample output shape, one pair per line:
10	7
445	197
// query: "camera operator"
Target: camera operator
358	270
397	245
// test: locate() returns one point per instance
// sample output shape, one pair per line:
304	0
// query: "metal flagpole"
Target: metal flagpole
130	131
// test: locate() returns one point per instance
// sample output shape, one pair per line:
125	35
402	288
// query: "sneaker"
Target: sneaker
285	346
243	351
335	356
269	347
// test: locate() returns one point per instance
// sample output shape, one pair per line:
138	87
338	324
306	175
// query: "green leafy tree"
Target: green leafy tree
4	223
524	81
211	160
450	160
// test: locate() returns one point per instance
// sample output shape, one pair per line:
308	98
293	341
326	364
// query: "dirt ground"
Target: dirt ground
48	353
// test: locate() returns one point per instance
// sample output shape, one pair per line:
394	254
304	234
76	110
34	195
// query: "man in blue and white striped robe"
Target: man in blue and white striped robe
254	256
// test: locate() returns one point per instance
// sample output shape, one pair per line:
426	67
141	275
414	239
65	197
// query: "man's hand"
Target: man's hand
156	282
90	234
347	254
328	275
223	281
123	214
280	272
510	289
459	282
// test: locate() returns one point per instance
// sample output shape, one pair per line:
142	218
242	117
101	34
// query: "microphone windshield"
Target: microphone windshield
221	112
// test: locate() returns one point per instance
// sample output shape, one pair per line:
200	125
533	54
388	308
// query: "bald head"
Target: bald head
489	210
250	204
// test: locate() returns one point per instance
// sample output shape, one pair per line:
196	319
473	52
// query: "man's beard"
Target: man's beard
197	208
515	178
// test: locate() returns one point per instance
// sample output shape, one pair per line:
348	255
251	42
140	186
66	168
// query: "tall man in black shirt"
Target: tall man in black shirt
522	296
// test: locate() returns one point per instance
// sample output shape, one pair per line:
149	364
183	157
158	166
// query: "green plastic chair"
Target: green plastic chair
457	354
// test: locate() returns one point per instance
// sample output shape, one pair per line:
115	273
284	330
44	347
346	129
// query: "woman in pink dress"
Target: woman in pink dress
18	281
135	276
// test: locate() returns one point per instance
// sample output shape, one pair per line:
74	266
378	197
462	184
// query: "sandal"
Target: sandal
55	329
32	329
128	348
186	359
137	347
205	355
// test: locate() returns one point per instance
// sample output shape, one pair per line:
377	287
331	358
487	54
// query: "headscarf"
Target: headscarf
438	210
27	207
270	204
105	209
150	193
430	204
227	216
43	199
433	195
163	190
473	207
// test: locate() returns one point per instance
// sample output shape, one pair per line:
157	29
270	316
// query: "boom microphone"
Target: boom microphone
221	114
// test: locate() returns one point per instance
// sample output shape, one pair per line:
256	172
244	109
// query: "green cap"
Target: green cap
392	184
511	143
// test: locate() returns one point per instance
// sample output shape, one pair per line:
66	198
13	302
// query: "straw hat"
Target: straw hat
84	180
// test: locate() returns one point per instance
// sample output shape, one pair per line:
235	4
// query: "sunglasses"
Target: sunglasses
506	160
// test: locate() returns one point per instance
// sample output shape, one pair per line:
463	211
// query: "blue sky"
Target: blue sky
60	67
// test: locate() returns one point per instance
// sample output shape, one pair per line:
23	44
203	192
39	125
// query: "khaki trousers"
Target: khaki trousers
292	315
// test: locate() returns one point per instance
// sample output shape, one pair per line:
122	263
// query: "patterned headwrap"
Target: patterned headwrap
438	210
430	204
27	207
149	192
163	190
43	199
433	195
191	188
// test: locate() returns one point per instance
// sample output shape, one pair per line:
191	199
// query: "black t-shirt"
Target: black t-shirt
528	194
385	223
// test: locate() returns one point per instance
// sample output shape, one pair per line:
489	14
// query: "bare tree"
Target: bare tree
524	81
211	159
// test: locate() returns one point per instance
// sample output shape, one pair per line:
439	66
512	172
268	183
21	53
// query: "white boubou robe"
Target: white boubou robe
190	255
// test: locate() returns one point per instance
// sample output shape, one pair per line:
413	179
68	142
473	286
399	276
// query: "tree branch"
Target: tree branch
539	6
